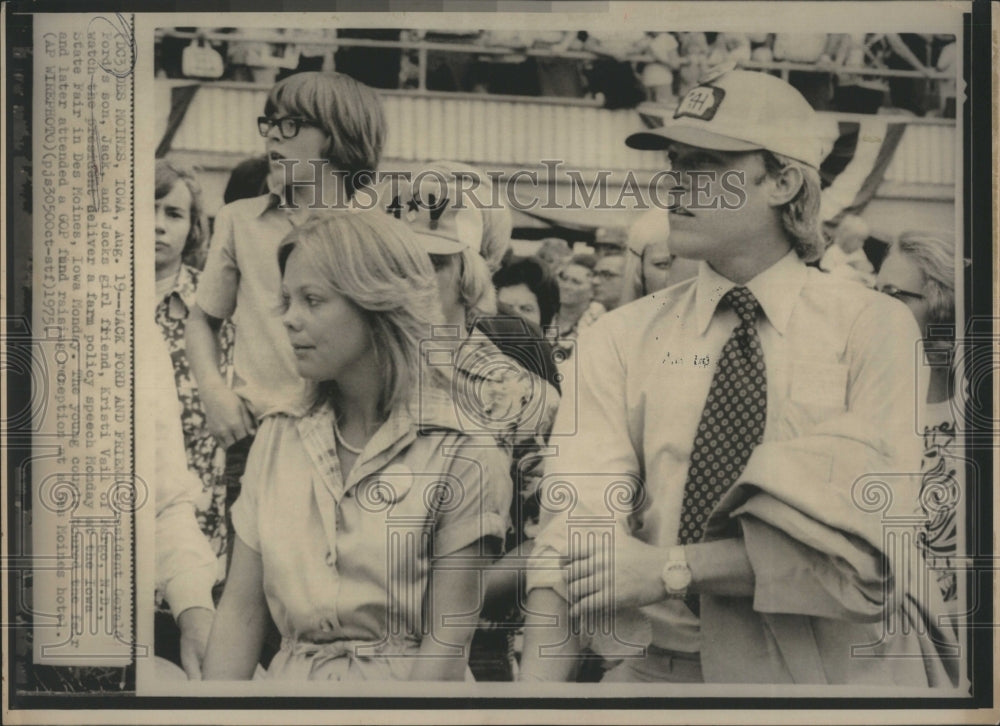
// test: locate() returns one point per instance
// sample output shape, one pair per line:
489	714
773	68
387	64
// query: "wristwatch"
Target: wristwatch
676	574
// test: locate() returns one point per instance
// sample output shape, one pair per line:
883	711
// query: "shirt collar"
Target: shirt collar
776	289
268	202
187	285
430	409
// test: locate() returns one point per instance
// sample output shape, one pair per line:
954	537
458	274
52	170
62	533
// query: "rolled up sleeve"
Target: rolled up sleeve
815	509
474	498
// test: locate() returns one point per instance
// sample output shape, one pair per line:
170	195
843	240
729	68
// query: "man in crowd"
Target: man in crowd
608	279
732	432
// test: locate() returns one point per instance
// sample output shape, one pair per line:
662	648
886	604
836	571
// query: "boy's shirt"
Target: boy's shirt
241	281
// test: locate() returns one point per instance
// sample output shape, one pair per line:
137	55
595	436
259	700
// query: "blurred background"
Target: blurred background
504	101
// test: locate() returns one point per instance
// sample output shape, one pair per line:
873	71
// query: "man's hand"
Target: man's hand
195	625
626	574
226	415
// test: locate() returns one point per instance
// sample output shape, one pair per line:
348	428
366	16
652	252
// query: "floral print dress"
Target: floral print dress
205	456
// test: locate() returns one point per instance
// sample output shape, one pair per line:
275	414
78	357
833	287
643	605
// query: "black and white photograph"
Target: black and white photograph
564	361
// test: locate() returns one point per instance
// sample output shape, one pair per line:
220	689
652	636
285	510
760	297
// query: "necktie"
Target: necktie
732	422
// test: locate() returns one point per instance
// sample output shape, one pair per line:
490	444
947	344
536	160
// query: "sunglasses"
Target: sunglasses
898	293
289	126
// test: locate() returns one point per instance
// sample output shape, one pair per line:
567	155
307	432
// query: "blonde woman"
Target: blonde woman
920	273
346	513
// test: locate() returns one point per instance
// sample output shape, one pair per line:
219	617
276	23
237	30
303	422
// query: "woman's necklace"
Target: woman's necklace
340	439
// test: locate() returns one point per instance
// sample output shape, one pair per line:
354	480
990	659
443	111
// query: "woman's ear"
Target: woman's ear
785	185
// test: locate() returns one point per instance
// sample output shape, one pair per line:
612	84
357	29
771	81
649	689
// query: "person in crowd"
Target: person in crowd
947	62
577	308
659	83
854	92
914	52
611	76
694	54
179	237
608	280
186	565
499	384
761	45
920	272
450	70
665	50
846	255
649	264
731	47
528	289
609	240
326	118
379	444
377	67
248	179
554	252
732	418
808	48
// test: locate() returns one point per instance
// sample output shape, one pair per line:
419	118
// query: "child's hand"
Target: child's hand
226	415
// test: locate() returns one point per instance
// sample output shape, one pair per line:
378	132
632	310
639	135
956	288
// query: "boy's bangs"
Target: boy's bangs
294	98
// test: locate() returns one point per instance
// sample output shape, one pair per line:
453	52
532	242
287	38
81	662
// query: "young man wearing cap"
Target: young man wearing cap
733	431
497	363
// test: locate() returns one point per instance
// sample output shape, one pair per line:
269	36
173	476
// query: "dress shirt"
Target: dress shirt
836	355
349	558
241	280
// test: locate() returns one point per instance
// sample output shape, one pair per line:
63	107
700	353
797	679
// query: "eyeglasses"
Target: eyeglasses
893	291
289	126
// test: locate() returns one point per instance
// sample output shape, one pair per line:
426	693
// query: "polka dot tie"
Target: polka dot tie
732	423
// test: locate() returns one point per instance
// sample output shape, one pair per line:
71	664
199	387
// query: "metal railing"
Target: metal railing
260	35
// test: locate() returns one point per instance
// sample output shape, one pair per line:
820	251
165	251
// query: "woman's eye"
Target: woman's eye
312	301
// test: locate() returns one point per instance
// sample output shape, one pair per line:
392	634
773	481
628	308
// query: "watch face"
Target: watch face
677	577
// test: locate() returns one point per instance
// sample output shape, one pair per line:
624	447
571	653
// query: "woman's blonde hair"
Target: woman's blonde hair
934	254
349	112
375	262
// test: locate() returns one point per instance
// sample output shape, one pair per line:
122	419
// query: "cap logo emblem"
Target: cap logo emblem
701	102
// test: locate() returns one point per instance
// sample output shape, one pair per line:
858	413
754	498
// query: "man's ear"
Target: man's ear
785	185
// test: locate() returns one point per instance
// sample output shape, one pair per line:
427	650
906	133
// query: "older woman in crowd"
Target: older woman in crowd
920	273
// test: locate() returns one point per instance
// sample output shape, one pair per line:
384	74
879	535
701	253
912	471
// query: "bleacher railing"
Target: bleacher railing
423	47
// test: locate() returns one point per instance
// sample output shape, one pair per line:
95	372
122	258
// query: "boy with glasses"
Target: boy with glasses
323	132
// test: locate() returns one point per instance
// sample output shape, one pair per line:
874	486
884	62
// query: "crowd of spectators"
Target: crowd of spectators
621	69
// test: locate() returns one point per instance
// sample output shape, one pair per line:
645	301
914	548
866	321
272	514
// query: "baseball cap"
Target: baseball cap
743	111
443	220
